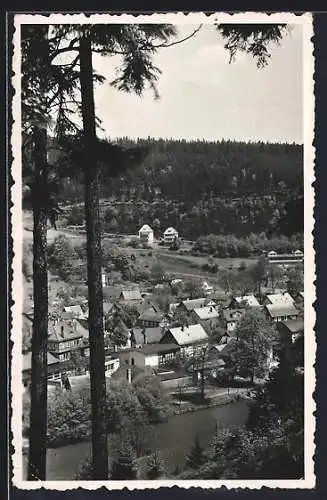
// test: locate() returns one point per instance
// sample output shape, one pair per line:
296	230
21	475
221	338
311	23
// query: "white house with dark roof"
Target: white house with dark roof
277	312
170	235
188	338
146	235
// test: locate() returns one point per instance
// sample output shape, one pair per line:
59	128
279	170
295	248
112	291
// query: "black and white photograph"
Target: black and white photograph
163	284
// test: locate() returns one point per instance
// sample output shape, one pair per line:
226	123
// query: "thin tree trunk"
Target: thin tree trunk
38	415
95	299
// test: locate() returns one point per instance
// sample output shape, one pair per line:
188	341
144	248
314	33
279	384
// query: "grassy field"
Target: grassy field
172	262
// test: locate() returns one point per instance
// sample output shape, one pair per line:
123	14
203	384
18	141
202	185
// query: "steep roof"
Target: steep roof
152	335
282	310
207	312
170	230
131	295
185	335
294	325
280	298
146	229
250	300
70	328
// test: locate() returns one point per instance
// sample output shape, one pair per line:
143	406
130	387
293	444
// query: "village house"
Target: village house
65	337
142	336
277	312
206	316
243	301
152	355
146	235
291	330
189	305
151	319
169	236
230	319
207	289
283	298
74	312
131	297
189	338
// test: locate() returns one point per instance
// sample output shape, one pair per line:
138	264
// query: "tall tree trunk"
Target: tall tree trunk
95	300
38	416
38	412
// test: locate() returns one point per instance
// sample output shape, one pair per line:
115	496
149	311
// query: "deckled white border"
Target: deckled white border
309	273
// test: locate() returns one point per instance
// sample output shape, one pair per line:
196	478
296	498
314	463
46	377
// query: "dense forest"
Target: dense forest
201	187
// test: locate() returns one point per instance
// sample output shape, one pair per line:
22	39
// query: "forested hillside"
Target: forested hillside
201	187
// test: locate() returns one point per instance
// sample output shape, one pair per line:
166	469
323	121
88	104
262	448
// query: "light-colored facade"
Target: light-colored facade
146	235
170	235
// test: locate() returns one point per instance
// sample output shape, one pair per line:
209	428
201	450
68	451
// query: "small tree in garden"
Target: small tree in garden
123	465
154	466
196	457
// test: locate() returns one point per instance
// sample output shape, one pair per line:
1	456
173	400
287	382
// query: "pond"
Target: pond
173	438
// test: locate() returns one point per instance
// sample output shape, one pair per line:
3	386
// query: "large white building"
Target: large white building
146	234
169	235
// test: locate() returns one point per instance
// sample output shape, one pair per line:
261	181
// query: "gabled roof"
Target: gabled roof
71	331
185	335
280	298
170	230
281	310
228	314
250	300
192	304
146	229
294	325
131	295
150	316
27	360
153	335
74	311
207	312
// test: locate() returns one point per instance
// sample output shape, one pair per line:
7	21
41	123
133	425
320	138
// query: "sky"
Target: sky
202	96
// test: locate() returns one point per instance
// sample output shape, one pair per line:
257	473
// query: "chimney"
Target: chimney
182	328
62	331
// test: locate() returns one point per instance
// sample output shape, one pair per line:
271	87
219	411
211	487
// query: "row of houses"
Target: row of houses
152	338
